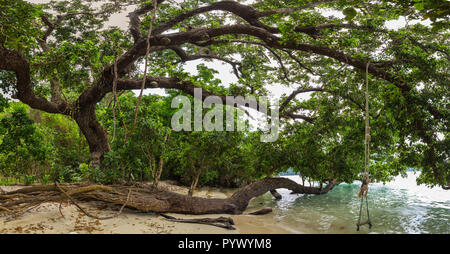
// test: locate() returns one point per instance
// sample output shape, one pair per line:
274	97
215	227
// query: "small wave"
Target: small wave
399	206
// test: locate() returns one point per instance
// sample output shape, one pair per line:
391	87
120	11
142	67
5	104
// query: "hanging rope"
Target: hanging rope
116	104
365	176
147	52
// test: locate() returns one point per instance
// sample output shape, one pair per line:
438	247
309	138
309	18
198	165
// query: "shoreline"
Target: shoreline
47	219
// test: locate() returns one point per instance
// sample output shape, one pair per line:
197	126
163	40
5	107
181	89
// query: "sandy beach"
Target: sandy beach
47	219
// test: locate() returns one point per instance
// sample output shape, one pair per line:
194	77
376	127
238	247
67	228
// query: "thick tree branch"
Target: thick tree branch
294	9
197	35
290	113
51	26
242	197
300	63
246	12
295	93
185	57
275	54
298	116
166	83
135	22
16	62
306	90
93	94
157	200
175	83
55	88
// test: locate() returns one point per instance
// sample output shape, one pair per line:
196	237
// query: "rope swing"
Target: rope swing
365	175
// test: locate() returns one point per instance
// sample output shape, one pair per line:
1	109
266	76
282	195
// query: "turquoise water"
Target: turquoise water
400	206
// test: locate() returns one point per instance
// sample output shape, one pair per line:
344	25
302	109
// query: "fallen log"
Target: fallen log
84	211
148	199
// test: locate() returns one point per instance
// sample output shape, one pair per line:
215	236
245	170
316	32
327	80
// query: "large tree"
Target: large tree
59	58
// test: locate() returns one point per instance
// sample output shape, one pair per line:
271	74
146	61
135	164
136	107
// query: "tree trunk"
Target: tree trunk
159	171
156	200
94	133
242	197
194	182
160	166
161	161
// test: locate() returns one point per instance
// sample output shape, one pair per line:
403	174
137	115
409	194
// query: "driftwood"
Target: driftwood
148	199
261	211
222	222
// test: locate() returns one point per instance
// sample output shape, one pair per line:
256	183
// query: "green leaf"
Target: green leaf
349	13
419	6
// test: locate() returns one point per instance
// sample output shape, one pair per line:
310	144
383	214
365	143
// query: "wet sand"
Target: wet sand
47	219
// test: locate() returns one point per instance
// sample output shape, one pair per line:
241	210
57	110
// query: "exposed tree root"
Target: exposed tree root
148	199
6	209
84	211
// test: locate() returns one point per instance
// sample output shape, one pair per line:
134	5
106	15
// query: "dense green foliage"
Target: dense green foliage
326	46
219	156
38	146
46	147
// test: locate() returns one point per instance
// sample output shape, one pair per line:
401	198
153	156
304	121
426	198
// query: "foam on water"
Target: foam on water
399	206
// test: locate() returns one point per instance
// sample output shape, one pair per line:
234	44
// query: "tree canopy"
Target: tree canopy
61	58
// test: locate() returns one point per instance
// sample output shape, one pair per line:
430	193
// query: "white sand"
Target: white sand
47	219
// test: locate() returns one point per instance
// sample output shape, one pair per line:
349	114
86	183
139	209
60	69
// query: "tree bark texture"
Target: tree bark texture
149	199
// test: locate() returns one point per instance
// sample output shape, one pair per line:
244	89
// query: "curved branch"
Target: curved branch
290	113
197	35
185	86
306	90
55	88
300	63
272	41
135	22
242	197
95	93
185	57
246	12
298	116
157	200
162	82
51	26
16	62
298	91
294	9
280	61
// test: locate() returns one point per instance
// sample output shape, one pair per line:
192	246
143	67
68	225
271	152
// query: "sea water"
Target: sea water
399	206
